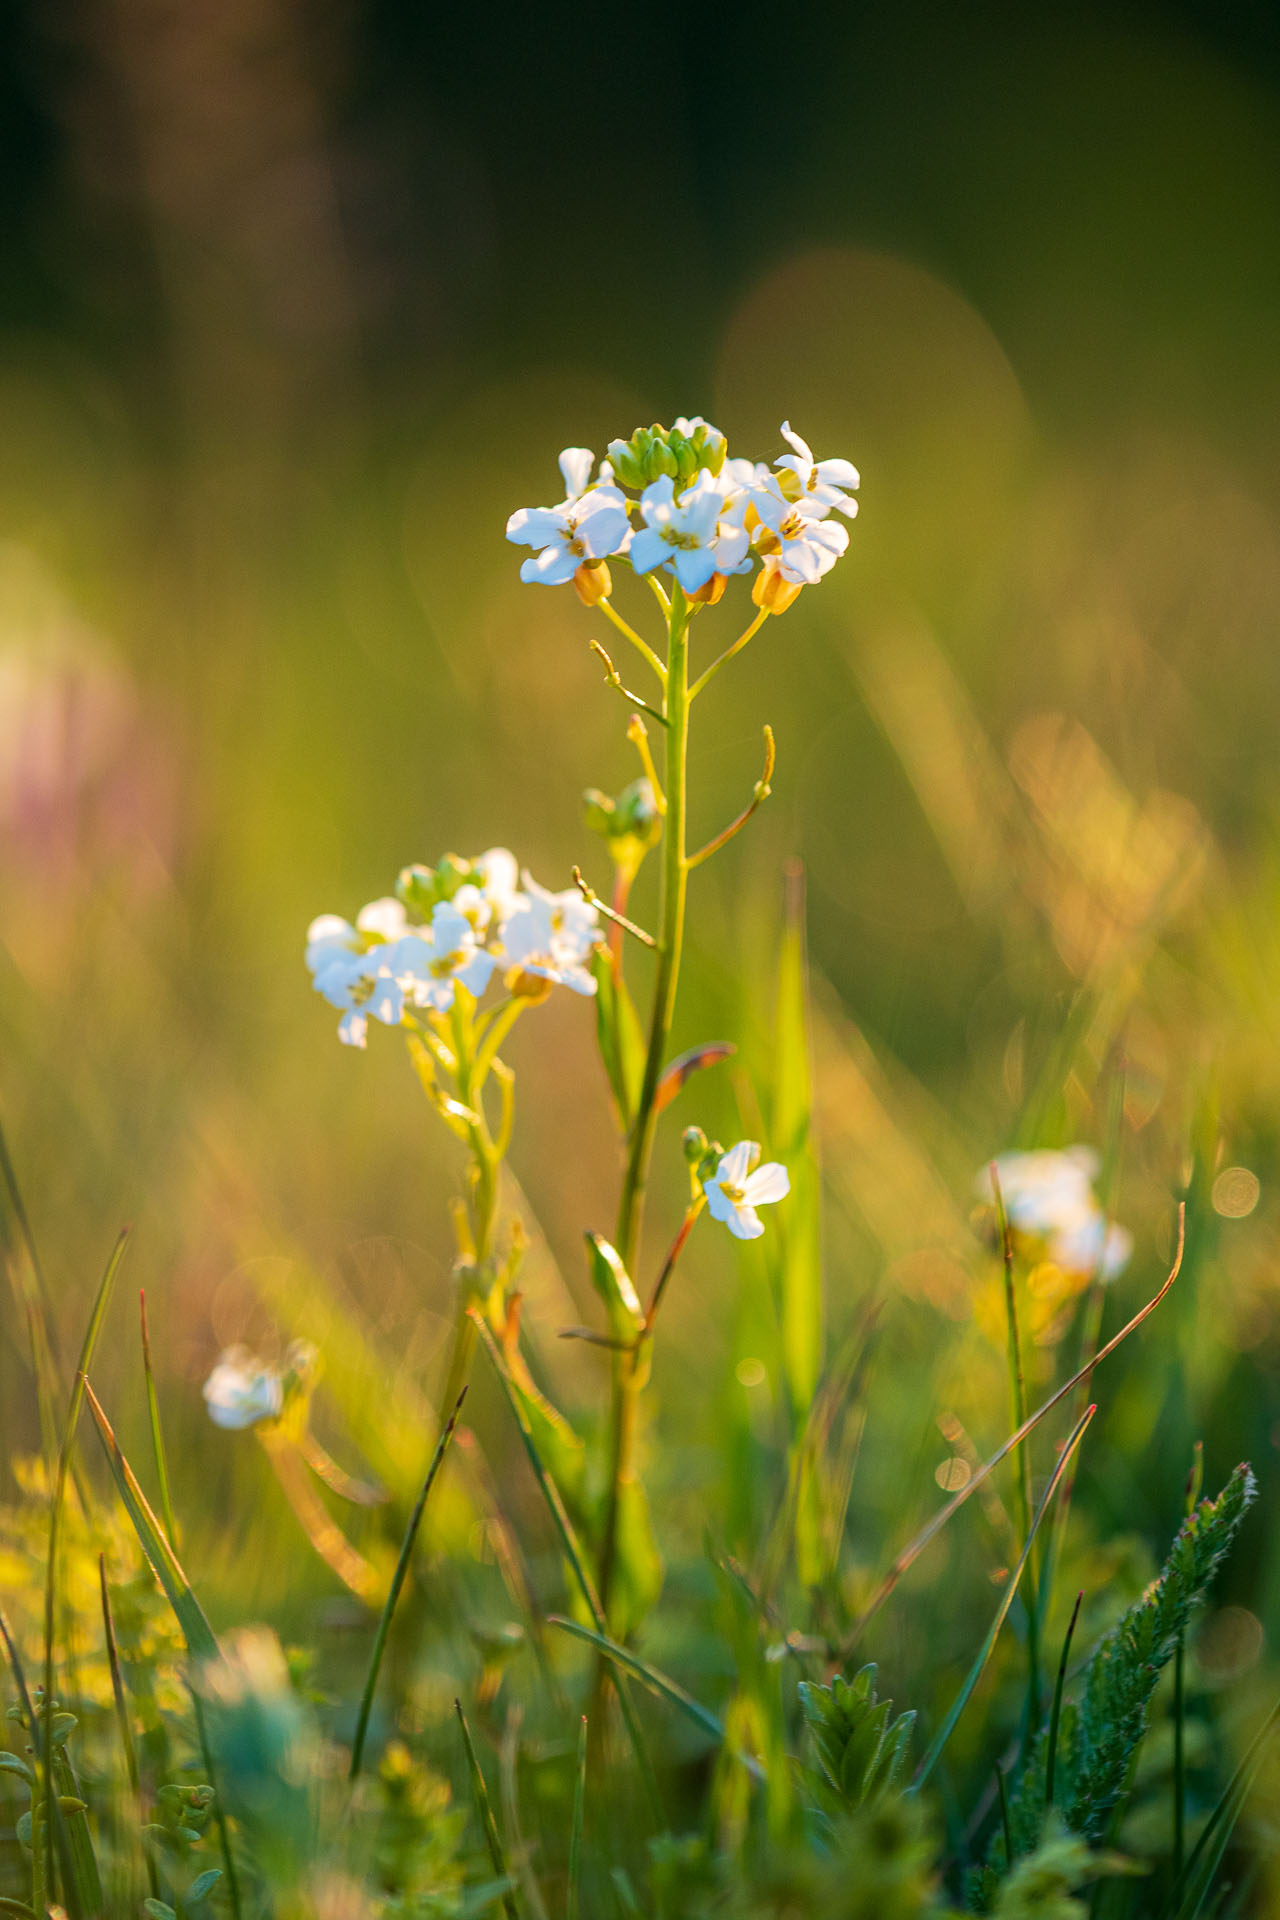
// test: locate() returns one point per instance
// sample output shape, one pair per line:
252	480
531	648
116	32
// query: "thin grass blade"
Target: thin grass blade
157	1433
484	1807
1055	1711
1206	1856
657	1682
199	1635
933	1527
975	1672
573	1553
397	1582
573	1895
96	1318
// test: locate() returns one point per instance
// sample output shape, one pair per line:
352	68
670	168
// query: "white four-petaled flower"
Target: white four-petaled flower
590	523
808	545
738	1186
552	935
242	1390
688	532
822	482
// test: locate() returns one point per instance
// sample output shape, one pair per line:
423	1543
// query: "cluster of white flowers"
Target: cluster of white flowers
703	515
413	951
1049	1198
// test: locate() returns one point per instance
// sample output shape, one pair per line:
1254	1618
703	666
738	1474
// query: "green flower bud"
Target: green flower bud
599	810
694	1142
416	890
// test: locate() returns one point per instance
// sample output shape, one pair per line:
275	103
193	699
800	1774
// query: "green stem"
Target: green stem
675	875
1019	1396
483	1195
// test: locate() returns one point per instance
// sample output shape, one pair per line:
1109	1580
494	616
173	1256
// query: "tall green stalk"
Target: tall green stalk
627	1369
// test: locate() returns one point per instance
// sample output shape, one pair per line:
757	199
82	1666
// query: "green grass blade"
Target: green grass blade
1006	1601
657	1682
157	1433
493	1839
219	1816
397	1582
912	1551
573	1554
1055	1711
127	1742
1206	1856
199	1635
79	1385
573	1895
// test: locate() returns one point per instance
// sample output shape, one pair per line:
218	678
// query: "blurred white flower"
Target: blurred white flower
501	880
1049	1197
586	526
347	967
552	935
734	1190
242	1390
688	532
822	482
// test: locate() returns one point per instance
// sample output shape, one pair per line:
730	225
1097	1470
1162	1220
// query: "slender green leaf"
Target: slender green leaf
1207	1854
657	1682
397	1582
84	1879
157	1433
796	1245
573	1553
573	1896
199	1635
619	1038
493	1839
1006	1601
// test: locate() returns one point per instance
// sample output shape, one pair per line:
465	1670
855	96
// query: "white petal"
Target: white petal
837	473
576	464
550	568
767	1184
737	1163
648	550
719	1205
694	567
657	499
602	530
801	446
385	917
744	1223
352	1028
535	526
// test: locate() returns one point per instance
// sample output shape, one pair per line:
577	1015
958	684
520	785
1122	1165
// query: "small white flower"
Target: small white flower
430	962
1049	1197
552	935
589	524
822	482
809	546
734	1190
347	967
242	1390
688	532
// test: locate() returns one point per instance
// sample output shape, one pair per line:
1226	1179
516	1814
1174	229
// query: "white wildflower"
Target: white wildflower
589	524
242	1390
688	532
738	1186
823	483
1049	1197
553	936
